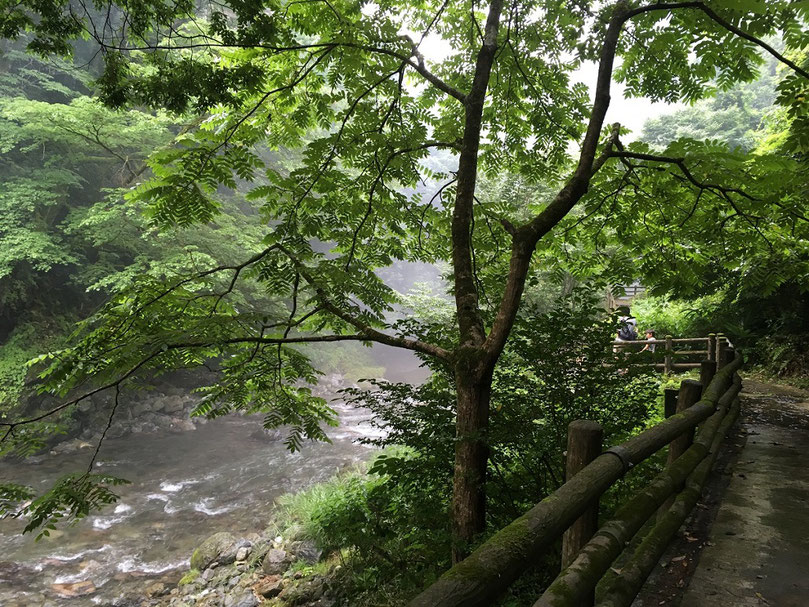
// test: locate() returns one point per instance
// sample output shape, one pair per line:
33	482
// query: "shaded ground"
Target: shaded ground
747	544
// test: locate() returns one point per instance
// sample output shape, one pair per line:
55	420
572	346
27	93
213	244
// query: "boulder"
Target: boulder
276	561
245	599
305	591
140	408
269	587
218	548
173	404
305	551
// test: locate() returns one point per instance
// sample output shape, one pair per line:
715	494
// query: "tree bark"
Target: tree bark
473	369
473	387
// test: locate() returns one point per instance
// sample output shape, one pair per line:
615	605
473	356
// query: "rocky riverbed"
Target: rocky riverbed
254	570
223	475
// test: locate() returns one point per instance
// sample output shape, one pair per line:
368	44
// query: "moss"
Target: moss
481	566
189	577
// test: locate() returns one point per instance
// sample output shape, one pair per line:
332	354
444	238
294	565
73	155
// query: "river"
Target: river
224	475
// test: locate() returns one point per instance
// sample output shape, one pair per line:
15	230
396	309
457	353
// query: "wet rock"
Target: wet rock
276	561
182	425
70	446
269	586
305	550
74	589
216	548
156	589
142	407
245	599
173	404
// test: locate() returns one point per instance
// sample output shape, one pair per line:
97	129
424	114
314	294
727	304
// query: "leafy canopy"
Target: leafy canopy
346	86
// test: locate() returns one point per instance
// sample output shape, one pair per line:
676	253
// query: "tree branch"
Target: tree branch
725	24
470	321
367	332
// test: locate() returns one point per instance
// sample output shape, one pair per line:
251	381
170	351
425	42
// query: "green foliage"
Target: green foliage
683	317
12	496
554	371
735	116
362	110
71	498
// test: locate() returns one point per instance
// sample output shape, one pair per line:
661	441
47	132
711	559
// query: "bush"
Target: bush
784	355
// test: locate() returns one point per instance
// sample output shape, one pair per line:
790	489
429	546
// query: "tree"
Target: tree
348	85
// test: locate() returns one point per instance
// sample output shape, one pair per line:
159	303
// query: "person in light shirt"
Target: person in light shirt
650	337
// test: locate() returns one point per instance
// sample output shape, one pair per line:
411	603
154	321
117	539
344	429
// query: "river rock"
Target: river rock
276	561
173	404
269	586
245	599
182	425
74	589
156	589
242	553
216	548
306	591
305	550
142	407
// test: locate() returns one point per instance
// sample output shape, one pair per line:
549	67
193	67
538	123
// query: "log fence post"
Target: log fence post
707	370
720	348
687	396
584	444
712	347
669	402
668	360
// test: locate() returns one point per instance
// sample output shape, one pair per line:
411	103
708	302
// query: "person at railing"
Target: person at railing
628	327
650	339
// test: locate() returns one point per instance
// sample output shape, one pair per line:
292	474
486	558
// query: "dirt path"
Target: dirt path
747	544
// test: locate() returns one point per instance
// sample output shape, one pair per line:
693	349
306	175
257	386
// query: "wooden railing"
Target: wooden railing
711	404
670	351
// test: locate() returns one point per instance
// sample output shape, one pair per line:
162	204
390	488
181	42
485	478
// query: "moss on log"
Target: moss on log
621	590
493	566
576	582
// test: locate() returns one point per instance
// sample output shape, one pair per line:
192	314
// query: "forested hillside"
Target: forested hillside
71	232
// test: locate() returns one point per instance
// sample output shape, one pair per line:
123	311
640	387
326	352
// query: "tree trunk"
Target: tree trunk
471	458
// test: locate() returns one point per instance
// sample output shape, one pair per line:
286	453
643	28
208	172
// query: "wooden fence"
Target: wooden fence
707	408
672	353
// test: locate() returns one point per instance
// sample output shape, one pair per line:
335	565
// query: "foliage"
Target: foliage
735	116
348	89
785	354
694	317
73	497
553	372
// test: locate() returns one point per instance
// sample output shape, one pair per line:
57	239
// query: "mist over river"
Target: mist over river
225	475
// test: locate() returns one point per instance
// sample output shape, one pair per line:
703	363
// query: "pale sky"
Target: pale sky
631	113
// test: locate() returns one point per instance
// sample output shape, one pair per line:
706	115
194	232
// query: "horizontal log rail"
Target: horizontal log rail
486	573
666	349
